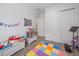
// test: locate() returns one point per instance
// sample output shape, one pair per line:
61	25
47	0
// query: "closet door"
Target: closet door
68	20
52	25
40	25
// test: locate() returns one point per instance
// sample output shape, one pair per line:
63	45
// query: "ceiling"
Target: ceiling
41	5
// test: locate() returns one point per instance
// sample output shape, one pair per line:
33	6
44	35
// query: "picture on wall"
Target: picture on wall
27	22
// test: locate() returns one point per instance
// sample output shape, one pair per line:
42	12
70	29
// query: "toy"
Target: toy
1	46
67	48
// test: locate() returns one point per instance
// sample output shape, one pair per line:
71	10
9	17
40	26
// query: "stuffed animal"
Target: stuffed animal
67	48
1	46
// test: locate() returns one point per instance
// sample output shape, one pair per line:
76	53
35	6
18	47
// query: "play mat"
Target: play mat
46	49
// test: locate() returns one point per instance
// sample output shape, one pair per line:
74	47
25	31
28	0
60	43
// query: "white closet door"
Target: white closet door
40	24
68	20
52	26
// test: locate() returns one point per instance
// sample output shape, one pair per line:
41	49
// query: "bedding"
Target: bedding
47	49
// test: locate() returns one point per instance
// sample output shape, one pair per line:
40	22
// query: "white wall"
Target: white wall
12	14
53	22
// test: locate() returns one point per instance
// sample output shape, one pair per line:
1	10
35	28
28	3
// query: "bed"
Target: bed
46	49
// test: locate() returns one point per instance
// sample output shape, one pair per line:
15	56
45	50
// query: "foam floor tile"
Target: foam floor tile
57	51
61	53
54	54
53	49
41	44
46	49
42	49
40	53
50	45
56	47
46	43
49	48
35	50
44	46
31	53
38	47
47	52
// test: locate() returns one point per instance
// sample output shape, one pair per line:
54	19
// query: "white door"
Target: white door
68	20
40	24
52	26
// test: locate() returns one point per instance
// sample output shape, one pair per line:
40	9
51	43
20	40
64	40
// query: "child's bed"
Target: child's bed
46	49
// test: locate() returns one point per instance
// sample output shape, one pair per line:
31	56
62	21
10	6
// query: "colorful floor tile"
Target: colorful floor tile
42	49
46	49
40	53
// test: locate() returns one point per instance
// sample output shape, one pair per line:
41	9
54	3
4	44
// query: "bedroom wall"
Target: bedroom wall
12	14
53	22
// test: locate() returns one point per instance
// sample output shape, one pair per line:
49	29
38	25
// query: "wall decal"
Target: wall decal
8	25
1	23
25	22
5	25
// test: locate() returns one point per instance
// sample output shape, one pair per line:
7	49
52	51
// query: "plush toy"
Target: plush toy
1	46
67	48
